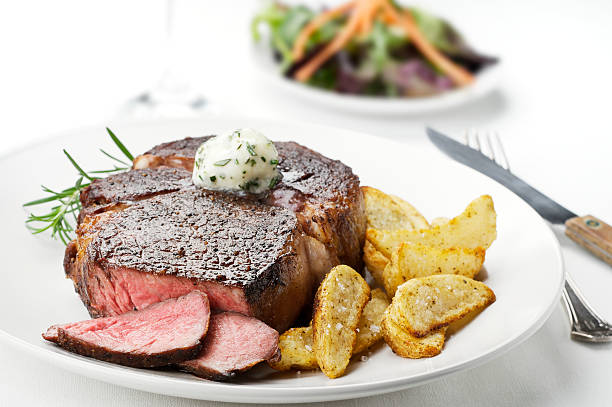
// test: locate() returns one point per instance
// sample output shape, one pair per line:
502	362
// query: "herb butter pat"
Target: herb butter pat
244	160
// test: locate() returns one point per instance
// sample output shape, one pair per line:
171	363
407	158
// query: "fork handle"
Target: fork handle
586	324
593	234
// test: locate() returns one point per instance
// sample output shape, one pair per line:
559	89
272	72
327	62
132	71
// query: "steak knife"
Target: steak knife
588	231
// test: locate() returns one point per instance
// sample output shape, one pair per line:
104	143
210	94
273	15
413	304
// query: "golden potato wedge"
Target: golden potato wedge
338	306
369	327
439	221
412	260
296	343
408	346
375	261
426	304
473	228
296	350
388	212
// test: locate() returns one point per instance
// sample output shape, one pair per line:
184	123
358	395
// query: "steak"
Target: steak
148	234
323	193
165	333
234	343
248	257
135	185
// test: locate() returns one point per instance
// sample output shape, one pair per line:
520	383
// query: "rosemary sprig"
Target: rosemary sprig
61	219
120	145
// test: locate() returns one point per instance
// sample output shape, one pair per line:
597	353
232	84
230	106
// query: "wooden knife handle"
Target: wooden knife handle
593	234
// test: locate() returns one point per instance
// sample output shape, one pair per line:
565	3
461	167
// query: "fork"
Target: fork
586	324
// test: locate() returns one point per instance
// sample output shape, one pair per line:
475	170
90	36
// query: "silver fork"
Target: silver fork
587	325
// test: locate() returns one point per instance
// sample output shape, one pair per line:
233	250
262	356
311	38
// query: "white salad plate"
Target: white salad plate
269	70
523	266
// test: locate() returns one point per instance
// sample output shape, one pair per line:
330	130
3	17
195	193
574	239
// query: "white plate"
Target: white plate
268	69
524	265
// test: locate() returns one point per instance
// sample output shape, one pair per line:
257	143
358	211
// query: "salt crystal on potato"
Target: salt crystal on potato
429	303
340	298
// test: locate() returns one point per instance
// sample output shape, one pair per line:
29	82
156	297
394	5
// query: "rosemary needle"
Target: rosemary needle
61	219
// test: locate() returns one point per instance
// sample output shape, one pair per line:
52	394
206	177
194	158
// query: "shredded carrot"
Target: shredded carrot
360	8
339	41
300	43
371	9
363	14
456	73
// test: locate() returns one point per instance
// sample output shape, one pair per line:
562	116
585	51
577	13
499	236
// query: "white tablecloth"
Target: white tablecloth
68	63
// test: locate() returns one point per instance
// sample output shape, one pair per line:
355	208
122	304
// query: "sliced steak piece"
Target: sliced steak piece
247	256
323	193
234	344
165	333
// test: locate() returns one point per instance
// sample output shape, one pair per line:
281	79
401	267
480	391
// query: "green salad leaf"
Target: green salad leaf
293	22
326	33
381	41
285	24
274	15
439	32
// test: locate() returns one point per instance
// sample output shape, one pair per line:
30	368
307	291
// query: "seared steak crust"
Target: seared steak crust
324	193
247	256
135	185
147	235
176	154
84	348
332	208
198	234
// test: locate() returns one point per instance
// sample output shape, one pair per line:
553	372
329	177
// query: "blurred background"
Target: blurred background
66	64
71	63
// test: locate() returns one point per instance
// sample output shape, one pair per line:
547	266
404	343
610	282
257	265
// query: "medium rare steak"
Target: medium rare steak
165	333
234	343
247	256
148	234
323	193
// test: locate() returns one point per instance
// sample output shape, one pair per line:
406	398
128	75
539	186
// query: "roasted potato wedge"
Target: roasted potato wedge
388	212
296	343
439	221
375	261
408	346
426	304
475	227
412	260
369	328
296	350
338	306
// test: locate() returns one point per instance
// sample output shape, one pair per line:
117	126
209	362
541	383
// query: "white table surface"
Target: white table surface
69	63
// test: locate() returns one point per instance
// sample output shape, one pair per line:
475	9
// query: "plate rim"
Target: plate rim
110	373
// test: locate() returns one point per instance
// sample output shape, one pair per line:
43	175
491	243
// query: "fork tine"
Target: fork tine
491	149
484	145
503	161
478	145
469	138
